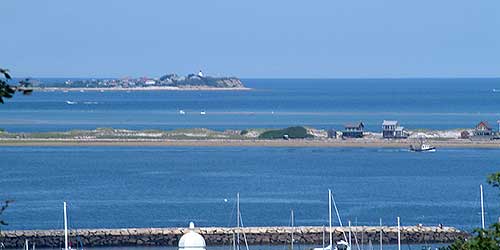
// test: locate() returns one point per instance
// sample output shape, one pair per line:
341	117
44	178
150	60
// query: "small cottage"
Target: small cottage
483	129
392	130
353	130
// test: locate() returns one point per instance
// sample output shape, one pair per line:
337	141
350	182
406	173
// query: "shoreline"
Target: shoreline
157	88
334	143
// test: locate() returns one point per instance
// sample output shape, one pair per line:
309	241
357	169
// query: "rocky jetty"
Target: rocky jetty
224	236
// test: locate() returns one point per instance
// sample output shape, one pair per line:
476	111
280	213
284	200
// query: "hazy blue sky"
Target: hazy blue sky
258	38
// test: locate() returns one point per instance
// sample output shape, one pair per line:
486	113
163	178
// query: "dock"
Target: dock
217	236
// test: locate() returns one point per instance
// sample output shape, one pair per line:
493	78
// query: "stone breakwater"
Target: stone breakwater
224	236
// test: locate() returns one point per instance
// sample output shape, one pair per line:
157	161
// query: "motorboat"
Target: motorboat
422	147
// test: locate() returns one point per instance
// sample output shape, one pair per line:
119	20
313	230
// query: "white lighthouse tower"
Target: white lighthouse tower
192	240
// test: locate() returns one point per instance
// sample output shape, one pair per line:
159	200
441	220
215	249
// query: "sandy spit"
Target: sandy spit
248	143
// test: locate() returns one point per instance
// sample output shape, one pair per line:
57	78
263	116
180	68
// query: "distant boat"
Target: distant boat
422	147
70	102
81	90
203	113
495	90
182	112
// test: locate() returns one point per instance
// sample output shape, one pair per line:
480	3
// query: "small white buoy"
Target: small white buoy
225	200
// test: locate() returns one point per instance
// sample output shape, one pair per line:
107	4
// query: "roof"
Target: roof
389	123
484	124
354	125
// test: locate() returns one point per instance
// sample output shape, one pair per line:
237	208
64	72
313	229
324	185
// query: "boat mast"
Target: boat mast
234	241
399	234
26	244
65	228
380	233
324	235
482	206
293	228
338	216
238	221
330	217
350	238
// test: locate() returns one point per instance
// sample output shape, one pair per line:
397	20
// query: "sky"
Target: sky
251	39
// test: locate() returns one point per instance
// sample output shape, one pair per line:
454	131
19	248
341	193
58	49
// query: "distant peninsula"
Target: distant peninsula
166	82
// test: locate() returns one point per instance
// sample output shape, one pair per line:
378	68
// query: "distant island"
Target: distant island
166	82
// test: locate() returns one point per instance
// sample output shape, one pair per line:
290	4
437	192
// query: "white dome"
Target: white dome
192	240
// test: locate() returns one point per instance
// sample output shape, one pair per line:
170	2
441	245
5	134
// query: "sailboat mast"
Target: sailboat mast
482	206
350	237
293	228
380	233
330	216
234	241
399	234
238	221
65	228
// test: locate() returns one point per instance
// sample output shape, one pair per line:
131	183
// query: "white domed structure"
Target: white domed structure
192	240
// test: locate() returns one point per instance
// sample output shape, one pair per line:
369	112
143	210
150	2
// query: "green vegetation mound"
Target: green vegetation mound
292	132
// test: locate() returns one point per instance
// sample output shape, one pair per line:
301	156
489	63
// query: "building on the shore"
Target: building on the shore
392	130
483	131
353	130
192	240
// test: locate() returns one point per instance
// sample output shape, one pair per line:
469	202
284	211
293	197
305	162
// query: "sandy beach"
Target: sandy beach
375	143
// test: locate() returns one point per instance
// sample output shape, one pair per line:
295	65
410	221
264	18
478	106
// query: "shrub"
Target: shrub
292	132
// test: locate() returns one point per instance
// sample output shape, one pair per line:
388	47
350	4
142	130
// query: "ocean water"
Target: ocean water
117	187
321	103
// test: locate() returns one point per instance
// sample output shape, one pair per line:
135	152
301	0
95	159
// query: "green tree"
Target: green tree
494	180
7	90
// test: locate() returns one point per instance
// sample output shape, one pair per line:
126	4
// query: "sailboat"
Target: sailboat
66	235
342	244
239	224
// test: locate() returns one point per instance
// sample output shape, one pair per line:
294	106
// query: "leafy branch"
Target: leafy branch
4	206
7	90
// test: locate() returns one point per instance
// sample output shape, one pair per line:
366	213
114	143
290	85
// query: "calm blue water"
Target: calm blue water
416	103
116	187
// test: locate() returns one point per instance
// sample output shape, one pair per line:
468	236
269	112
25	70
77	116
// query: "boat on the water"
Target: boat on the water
342	244
422	147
